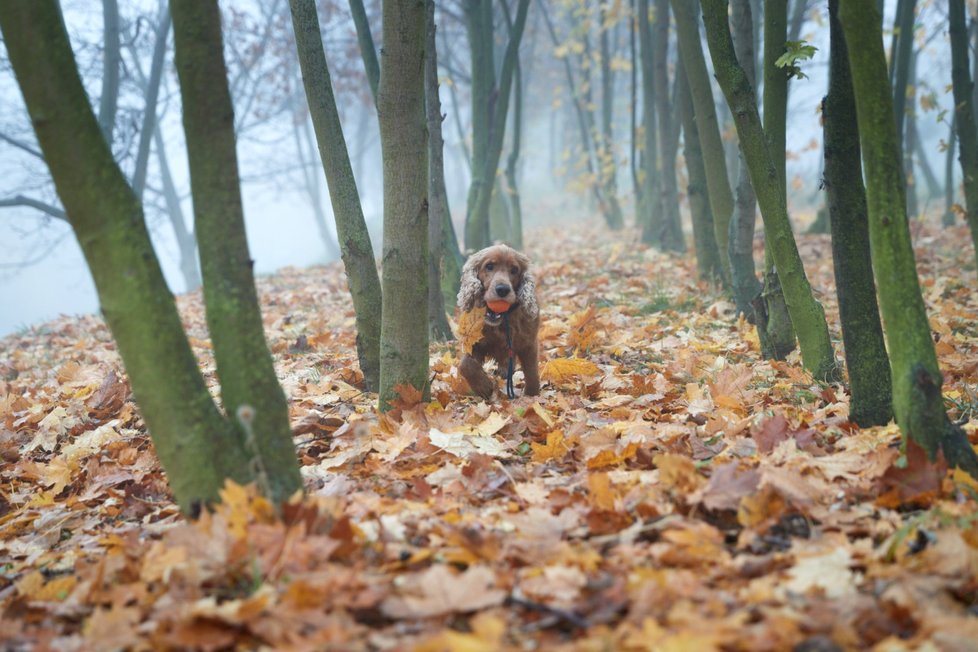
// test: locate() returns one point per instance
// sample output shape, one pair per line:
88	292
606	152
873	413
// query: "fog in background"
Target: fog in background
43	273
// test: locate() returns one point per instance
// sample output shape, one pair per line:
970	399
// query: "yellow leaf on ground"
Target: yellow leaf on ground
560	370
555	447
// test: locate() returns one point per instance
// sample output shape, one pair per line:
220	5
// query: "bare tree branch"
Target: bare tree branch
21	200
21	145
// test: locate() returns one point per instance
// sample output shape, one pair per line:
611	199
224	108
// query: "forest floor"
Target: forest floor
669	489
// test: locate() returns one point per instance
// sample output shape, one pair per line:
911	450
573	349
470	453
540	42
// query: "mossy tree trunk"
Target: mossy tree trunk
704	109
965	115
917	400
901	60
438	327
351	227
512	187
775	329
404	145
952	138
198	447
869	368
244	363
806	313
670	235
111	62
648	208
746	287
704	240
365	40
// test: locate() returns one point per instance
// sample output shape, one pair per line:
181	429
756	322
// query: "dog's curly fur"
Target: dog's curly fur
500	273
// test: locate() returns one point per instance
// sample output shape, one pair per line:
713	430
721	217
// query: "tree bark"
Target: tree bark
608	165
948	219
478	15
512	187
365	39
746	287
903	51
400	105
196	445
778	338
718	181
234	319
111	60
351	228
152	91
438	327
869	368
806	313
917	401
670	237
704	240
648	208
965	115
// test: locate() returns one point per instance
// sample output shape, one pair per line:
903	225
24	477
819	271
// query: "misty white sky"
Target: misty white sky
279	218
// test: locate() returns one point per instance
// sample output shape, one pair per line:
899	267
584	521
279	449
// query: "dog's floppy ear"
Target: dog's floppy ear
471	289
527	294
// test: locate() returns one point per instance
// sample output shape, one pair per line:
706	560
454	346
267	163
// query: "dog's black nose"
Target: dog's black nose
502	290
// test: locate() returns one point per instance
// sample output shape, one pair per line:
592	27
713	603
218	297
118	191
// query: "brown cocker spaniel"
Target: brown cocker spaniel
500	273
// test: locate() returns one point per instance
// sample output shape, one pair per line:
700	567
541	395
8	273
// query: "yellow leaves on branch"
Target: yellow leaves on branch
561	370
469	328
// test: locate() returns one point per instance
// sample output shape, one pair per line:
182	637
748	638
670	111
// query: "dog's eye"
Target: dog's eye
514	271
490	266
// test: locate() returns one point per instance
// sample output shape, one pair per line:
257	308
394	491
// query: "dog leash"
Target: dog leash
510	388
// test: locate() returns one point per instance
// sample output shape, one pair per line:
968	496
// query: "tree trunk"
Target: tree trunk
948	219
917	401
869	368
196	445
797	19
608	165
365	40
244	364
111	60
633	103
714	159
400	105
438	327
186	242
512	188
910	143
306	147
746	287
779	332
965	115
704	240
478	15
351	228
670	237
806	313
903	51
648	208
152	92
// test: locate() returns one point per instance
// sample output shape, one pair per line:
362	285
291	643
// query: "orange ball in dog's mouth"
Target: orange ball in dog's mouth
498	306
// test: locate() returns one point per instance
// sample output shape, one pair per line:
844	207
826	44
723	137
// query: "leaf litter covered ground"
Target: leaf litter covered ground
669	490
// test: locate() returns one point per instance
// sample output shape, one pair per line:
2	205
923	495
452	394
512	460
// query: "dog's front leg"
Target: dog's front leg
529	361
476	376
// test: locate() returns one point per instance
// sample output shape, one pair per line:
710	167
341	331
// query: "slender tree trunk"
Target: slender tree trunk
111	60
917	401
496	128
746	287
196	445
400	104
704	240
806	313
152	93
365	40
244	364
512	188
704	108
798	8
910	142
186	242
670	237
306	147
965	115
779	332
608	164
351	228
478	15
649	209
901	63
633	104
438	327
948	219
869	368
